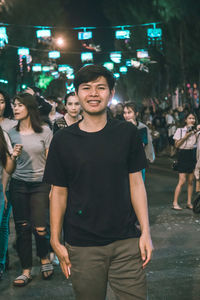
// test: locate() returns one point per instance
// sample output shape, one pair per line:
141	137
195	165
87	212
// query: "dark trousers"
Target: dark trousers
30	201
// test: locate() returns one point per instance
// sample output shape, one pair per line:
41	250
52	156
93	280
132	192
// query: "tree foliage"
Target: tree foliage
24	15
179	62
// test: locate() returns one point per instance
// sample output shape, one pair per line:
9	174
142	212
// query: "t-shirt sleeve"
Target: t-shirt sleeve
47	137
54	172
137	158
177	134
8	142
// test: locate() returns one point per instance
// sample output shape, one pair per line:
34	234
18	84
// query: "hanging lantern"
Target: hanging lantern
25	59
142	53
154	33
86	57
54	54
23	51
116	75
4	81
123	69
85	35
3	37
43	35
70	88
109	65
37	68
128	63
122	34
65	68
135	63
46	68
116	57
154	37
70	76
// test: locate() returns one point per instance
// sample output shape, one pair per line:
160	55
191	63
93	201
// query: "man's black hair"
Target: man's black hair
92	72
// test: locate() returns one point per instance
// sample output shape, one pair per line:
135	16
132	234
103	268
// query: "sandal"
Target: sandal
189	206
176	207
23	278
45	268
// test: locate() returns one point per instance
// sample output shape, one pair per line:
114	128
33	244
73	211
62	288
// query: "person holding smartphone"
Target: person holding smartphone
185	142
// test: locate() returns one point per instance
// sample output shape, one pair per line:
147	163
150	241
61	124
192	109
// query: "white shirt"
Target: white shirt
191	141
171	123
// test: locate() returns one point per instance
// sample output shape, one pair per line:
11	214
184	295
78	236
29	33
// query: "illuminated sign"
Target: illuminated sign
109	66
65	68
70	76
116	57
123	69
85	35
122	34
37	68
128	63
135	63
154	32
43	33
46	68
23	51
3	81
54	54
3	37
86	56
141	53
116	75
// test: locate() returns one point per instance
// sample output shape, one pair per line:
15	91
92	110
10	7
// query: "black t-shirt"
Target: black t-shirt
95	168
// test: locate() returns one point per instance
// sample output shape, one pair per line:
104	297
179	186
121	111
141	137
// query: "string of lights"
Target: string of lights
81	28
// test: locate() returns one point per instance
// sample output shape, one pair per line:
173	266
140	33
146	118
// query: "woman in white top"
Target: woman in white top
185	141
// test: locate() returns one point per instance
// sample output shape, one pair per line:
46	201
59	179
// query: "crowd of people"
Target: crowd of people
85	149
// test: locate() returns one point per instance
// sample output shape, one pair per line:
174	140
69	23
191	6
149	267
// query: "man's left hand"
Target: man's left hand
146	248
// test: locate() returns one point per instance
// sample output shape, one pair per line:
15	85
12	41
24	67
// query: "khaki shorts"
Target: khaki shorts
118	263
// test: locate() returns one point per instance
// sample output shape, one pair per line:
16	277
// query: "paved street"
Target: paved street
173	274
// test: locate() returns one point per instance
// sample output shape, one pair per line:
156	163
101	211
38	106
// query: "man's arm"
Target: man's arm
58	205
139	202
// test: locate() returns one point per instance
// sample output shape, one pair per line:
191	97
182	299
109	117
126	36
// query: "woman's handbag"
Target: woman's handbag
175	165
175	162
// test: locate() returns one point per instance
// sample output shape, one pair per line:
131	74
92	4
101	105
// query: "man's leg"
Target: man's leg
89	271
126	276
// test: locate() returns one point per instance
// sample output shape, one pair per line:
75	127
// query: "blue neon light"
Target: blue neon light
86	56
85	35
43	33
116	57
154	32
122	34
54	54
23	51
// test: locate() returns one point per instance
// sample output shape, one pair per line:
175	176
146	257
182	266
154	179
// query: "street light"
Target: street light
60	41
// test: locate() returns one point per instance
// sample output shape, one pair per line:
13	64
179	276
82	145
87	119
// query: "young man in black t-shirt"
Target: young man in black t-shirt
94	167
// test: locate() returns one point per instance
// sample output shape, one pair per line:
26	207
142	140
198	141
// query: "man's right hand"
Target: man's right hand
63	257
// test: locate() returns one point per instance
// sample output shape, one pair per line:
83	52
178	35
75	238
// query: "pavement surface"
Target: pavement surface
173	273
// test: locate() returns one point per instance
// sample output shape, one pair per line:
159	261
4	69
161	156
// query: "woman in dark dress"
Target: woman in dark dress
73	108
185	141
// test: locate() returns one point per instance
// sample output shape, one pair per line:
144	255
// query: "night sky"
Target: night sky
86	13
90	13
